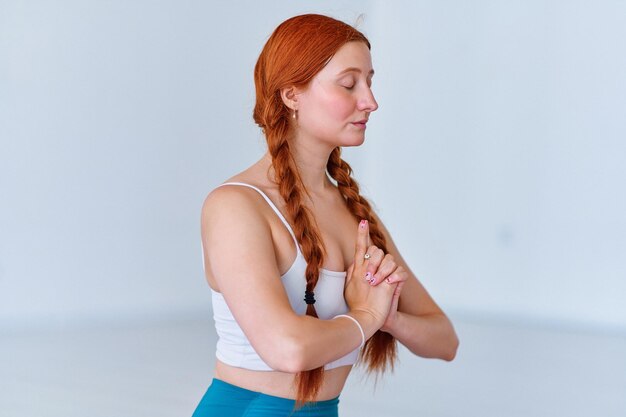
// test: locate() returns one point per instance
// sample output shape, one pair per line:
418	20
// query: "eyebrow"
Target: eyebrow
355	69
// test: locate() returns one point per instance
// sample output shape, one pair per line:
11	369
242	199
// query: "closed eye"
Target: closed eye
348	83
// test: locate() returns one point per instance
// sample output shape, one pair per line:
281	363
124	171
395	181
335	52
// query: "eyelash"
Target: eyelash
352	86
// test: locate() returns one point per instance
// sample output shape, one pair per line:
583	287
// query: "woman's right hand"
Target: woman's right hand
359	294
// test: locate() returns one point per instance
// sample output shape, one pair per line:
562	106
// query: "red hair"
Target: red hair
295	52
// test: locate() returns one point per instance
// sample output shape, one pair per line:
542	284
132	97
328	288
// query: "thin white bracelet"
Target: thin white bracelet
358	325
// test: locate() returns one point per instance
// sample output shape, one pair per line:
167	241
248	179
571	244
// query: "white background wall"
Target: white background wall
496	157
502	131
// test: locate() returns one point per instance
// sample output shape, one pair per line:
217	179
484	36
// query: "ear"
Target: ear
289	95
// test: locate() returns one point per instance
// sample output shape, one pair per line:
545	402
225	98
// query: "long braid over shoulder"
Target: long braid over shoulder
381	349
305	229
295	52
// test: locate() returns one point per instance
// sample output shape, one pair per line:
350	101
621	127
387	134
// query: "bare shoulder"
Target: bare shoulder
237	207
227	195
235	234
232	207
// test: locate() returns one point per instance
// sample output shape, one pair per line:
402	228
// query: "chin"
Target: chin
353	142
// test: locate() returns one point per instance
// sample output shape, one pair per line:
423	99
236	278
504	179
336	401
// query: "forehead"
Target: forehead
354	55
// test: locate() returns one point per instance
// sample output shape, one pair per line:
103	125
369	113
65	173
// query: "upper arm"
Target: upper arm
238	242
414	299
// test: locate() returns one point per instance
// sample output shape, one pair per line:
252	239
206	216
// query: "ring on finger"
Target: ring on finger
367	256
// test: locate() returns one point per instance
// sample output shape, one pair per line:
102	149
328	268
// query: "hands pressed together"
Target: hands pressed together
374	281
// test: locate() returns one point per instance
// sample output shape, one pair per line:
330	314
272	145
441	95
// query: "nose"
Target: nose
367	102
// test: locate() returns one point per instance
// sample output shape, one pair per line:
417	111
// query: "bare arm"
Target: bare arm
419	323
238	245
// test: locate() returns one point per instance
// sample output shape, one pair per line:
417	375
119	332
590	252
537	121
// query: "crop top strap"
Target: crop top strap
272	205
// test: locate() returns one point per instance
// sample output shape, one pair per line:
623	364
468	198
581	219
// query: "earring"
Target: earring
295	112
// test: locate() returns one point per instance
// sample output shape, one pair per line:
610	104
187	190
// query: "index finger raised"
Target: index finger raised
362	242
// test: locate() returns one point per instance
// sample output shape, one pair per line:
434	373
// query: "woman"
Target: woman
279	236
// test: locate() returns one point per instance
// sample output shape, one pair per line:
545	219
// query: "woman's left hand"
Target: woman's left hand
399	276
384	269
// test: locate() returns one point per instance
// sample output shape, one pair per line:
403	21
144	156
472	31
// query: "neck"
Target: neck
311	162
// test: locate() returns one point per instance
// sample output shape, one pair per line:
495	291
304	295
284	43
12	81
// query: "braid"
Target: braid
295	52
381	350
291	189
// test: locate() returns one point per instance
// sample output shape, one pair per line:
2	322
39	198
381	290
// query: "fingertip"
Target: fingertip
361	241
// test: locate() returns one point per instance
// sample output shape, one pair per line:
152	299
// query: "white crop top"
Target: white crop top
234	348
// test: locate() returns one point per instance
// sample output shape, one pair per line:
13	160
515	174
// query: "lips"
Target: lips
361	123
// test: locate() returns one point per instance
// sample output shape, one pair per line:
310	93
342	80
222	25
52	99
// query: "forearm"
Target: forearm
428	336
322	341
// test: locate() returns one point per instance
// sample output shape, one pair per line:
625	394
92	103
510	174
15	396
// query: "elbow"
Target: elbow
453	347
287	355
291	361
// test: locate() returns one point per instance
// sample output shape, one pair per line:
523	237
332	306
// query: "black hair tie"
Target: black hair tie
309	297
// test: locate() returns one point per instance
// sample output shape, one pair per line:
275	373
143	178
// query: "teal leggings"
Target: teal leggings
226	400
